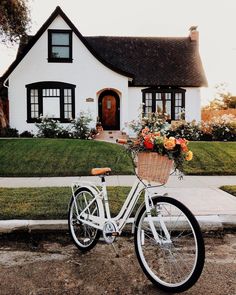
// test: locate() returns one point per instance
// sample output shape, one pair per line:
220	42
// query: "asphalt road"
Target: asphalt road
37	265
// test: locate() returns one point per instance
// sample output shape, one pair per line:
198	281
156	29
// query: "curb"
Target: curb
207	223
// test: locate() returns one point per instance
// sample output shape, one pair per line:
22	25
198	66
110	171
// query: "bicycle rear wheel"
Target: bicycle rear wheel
84	236
173	264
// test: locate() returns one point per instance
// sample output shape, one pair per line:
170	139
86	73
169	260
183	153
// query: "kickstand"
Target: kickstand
117	254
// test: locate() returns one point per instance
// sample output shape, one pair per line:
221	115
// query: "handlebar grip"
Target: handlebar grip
122	141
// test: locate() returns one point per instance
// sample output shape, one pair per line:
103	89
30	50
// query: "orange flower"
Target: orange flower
183	143
184	147
169	143
145	131
157	134
189	156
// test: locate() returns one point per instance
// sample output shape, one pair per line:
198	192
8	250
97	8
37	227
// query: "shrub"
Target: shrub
221	128
188	130
80	126
65	133
26	134
154	121
48	127
218	128
9	132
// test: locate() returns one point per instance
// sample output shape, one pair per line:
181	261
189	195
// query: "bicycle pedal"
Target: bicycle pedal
113	234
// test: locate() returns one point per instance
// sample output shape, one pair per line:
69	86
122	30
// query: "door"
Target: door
109	110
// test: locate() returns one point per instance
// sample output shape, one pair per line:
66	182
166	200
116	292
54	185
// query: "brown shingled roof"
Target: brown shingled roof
153	61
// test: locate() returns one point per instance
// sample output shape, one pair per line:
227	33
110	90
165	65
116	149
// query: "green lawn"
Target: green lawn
47	203
71	157
231	189
60	157
212	158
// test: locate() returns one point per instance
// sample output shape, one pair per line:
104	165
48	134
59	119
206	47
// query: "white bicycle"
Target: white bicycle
167	237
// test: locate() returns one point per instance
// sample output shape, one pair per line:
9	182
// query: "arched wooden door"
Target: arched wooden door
109	110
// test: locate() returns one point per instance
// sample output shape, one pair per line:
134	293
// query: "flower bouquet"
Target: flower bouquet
157	154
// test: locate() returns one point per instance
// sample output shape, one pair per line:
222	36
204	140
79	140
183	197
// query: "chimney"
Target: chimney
194	34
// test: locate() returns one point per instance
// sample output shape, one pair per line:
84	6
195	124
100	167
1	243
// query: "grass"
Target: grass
47	202
212	158
66	157
231	189
60	157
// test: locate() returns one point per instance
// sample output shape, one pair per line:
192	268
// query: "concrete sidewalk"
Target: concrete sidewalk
214	208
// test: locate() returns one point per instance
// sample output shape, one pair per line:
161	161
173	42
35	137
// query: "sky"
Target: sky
215	19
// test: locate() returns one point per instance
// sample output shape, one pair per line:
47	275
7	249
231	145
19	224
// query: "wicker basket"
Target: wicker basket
154	167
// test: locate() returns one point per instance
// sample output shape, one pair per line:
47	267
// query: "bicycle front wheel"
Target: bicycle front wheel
84	236
174	261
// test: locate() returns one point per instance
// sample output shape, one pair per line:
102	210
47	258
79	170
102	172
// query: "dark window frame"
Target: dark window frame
163	90
50	85
59	59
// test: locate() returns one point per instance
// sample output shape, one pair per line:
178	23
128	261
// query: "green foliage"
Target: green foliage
155	122
14	20
26	134
48	128
223	99
218	129
9	132
188	130
80	126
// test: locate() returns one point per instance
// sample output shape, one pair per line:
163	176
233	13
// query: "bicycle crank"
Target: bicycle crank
110	232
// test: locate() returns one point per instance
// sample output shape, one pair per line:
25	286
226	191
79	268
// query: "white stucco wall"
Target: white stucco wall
193	104
86	72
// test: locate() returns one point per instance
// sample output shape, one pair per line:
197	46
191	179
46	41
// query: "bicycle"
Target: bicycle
167	237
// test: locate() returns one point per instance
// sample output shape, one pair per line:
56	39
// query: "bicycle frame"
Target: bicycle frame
101	196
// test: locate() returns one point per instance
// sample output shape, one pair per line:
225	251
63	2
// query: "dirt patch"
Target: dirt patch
55	266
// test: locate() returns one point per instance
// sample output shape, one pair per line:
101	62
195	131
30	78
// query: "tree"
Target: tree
223	99
14	20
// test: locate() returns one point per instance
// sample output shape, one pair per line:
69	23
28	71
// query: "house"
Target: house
59	73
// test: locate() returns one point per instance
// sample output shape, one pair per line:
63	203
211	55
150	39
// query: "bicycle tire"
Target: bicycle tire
162	262
85	237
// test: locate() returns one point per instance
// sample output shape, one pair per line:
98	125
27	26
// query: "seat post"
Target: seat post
105	196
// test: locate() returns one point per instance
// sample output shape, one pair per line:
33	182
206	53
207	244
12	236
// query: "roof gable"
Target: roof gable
33	39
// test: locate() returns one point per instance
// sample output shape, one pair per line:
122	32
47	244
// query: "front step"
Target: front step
110	135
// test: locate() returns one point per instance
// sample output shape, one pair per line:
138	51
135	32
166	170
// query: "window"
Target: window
169	101
52	99
34	103
59	46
